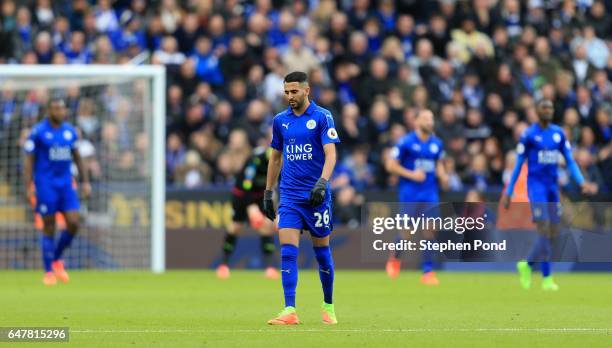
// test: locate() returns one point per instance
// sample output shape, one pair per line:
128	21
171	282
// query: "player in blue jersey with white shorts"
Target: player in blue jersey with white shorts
50	150
303	141
540	146
416	160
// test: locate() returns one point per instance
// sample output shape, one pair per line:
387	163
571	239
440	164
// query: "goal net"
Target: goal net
119	112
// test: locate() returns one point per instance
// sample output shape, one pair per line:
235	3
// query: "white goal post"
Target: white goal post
153	78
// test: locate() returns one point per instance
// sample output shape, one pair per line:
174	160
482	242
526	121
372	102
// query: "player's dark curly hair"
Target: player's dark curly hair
296	76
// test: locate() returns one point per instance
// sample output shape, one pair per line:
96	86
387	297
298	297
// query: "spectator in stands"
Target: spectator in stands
347	206
424	61
175	154
571	125
585	105
298	57
599	20
602	126
357	168
583	68
43	48
188	33
76	51
597	51
207	62
131	34
472	90
192	173
380	124
359	52
106	18
601	89
448	127
337	32
586	163
254	124
87	119
587	140
454	180
468	38
168	53
187	78
24	32
477	176
547	64
351	128
104	52
9	21
374	64
237	61
438	34
495	159
444	84
529	77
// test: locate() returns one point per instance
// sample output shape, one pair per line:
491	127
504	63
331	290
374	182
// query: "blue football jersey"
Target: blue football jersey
52	150
543	149
301	139
412	153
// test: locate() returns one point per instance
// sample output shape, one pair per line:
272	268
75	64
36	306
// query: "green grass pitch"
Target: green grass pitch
194	309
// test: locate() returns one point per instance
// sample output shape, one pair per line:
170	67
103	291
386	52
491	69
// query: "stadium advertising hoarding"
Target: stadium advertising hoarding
196	220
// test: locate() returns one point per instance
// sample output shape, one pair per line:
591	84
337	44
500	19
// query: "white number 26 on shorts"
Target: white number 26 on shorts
322	218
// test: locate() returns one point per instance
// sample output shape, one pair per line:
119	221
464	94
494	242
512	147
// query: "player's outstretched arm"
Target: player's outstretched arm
274	166
85	186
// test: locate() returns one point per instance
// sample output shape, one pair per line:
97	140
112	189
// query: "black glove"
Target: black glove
317	194
268	205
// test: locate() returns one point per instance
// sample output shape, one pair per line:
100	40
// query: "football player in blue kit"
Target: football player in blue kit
303	141
540	145
50	149
416	160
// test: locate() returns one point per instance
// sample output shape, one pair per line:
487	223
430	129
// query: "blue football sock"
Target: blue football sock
289	272
64	241
537	250
46	249
326	271
427	259
547	253
545	268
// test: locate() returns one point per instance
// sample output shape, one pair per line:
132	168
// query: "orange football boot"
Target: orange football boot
60	272
49	279
393	267
287	317
223	272
429	278
272	273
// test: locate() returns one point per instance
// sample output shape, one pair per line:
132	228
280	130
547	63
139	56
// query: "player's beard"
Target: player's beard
546	119
425	130
56	119
298	104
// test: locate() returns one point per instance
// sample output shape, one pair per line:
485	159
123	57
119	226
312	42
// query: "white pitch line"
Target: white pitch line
289	330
